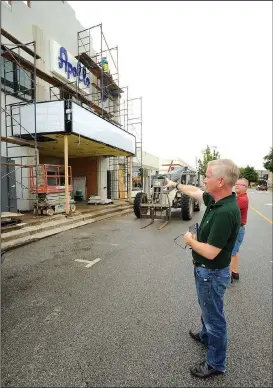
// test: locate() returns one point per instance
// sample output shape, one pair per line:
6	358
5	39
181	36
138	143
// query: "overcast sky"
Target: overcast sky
204	70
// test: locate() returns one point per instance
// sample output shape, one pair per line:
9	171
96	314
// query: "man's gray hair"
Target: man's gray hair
244	180
225	168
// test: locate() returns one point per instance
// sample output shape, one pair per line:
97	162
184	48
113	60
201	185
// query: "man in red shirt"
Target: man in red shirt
242	200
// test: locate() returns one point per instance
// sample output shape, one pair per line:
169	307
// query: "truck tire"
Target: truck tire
139	198
186	207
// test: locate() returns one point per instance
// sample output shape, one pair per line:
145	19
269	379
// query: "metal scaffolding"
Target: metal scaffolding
112	99
119	165
105	89
17	82
135	128
103	96
102	93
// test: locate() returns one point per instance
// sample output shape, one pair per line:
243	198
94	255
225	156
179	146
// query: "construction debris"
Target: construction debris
97	200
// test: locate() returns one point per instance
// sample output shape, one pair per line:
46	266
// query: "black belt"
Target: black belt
197	264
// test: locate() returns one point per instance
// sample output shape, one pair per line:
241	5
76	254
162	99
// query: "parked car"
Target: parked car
262	187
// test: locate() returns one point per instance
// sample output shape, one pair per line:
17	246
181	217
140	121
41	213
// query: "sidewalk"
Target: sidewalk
36	228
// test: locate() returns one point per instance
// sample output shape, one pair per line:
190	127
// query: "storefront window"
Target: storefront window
7	75
16	81
24	84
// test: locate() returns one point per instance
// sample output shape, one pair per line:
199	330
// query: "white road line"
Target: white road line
268	204
89	263
104	243
51	317
258	192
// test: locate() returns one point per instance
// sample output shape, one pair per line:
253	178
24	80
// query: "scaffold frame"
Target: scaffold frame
12	68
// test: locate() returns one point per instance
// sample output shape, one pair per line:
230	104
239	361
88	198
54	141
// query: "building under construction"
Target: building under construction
63	109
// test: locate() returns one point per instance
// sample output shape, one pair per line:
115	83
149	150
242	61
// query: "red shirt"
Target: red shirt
242	200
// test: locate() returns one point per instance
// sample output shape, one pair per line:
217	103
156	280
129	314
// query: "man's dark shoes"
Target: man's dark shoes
235	275
196	336
204	370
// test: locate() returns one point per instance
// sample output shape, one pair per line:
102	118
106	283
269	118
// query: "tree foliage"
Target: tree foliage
242	172
249	173
268	161
208	155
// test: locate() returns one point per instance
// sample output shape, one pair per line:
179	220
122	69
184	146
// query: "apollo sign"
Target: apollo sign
69	68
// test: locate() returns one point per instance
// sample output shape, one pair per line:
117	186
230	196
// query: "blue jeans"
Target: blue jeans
239	240
211	285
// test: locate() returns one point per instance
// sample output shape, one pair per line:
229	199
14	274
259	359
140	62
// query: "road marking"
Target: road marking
52	316
259	192
89	263
268	204
260	214
104	243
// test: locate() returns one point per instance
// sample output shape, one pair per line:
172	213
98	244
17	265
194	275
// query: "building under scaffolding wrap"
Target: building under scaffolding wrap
18	86
62	104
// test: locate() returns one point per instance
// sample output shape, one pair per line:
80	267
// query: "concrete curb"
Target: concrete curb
40	235
34	229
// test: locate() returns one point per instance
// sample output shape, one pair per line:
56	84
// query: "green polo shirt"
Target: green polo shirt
219	227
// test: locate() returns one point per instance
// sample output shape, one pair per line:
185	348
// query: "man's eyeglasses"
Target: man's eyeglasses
177	243
194	229
239	184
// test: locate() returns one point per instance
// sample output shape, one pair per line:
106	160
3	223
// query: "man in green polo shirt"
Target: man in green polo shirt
211	253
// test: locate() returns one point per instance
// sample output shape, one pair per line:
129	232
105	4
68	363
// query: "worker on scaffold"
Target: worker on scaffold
105	65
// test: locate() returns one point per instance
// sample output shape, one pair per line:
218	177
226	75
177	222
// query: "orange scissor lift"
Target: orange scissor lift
50	188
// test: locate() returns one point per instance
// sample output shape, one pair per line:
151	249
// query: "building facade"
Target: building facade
170	164
149	164
56	87
265	175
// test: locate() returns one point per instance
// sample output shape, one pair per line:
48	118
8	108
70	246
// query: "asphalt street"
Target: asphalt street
123	319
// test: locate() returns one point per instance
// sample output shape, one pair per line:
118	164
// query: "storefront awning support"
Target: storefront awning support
67	204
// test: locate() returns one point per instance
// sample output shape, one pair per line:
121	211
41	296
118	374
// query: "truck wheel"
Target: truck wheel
139	198
186	207
49	211
197	206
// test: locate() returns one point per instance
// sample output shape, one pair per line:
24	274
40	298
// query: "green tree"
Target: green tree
242	169
207	157
268	164
250	174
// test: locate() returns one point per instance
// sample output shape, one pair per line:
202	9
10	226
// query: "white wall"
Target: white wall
46	22
25	199
55	19
149	161
43	22
102	177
